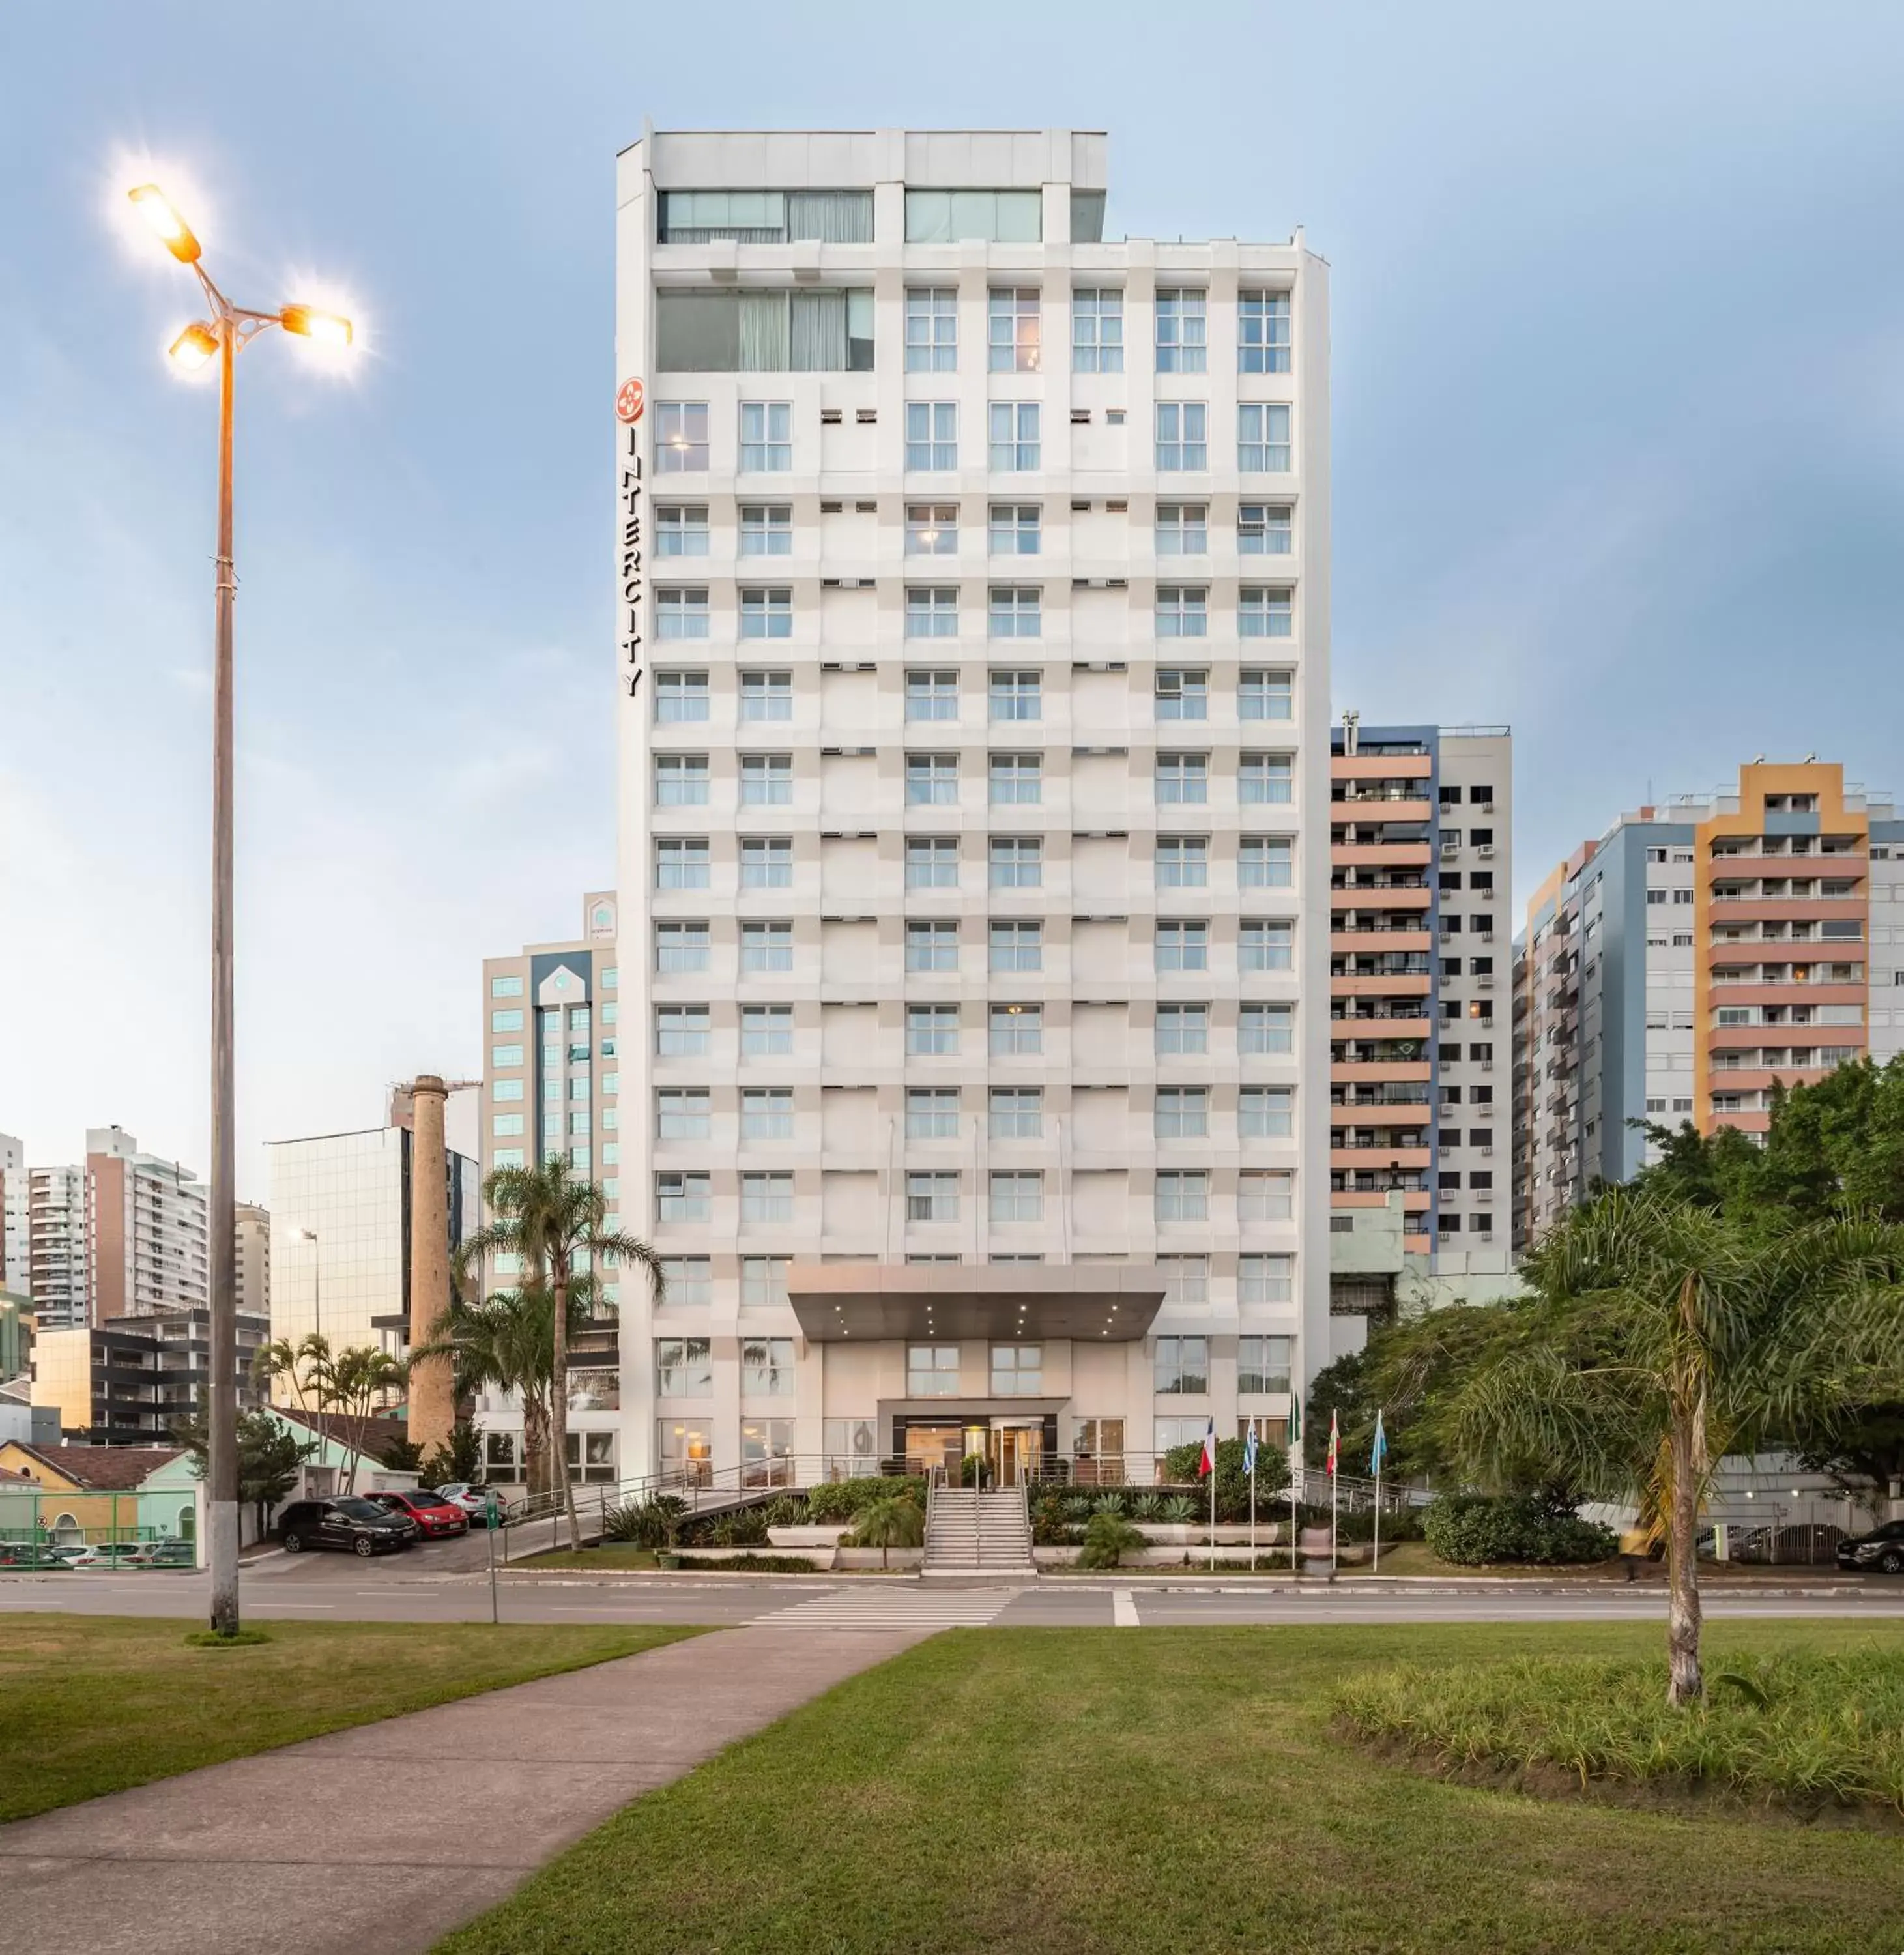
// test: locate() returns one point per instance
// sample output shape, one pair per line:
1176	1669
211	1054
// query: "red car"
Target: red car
436	1517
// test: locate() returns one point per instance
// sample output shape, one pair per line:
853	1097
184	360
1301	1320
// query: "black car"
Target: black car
1882	1549
361	1526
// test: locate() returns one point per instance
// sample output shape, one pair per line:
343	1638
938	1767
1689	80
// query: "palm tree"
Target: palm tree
558	1226
359	1376
890	1523
506	1342
302	1363
1663	1338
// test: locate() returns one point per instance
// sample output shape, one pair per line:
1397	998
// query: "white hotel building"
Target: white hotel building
973	579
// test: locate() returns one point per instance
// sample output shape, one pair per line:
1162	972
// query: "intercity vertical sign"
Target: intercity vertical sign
629	402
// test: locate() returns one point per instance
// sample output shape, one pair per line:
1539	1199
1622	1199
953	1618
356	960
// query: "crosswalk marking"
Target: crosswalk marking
884	1608
1123	1609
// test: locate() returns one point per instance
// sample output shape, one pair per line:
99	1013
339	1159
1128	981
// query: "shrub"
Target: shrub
747	1527
649	1523
786	1510
1180	1466
842	1499
1473	1528
892	1522
1048	1527
770	1564
1107	1538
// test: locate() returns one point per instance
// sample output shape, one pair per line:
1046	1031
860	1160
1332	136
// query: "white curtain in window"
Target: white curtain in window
764	332
819	332
832	216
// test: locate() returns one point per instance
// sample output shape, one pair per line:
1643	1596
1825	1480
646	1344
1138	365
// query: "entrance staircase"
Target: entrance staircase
982	1533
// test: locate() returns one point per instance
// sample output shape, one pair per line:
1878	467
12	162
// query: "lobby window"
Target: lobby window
932	611
1265	694
1016	1113
1263	439
687	1281
1263	1363
1097	329
1267	613
1266	778
1015	695
767	437
1182	611
1183	529
1182	1029
1183	331
932	1198
1267	946
1183	1197
767	780
1018	1197
680	696
1182	1364
931	946
932	1113
1183	436
680	437
931	1031
681	612
767	862
681	862
767	1031
681	529
766	1198
766	946
1012	330
766	695
1267	1112
680	1032
932	529
1266	1280
932	437
680	947
1182	946
1182	861
684	1368
1265	862
1182	693
931	1370
1266	1031
1265	529
1183	777
980	216
1182	1113
766	529
1017	1369
766	613
683	1198
932	862
680	780
932	330
1017	1032
1015	780
681	1113
1017	946
1263	332
932	695
1016	862
1014	612
1266	1198
766	1368
1013	427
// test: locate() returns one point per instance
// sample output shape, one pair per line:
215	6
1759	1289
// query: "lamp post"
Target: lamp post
317	1328
222	337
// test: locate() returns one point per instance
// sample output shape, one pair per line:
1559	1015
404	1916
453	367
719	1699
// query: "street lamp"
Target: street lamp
317	1328
222	336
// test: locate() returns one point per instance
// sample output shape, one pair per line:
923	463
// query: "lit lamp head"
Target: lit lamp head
171	229
323	329
193	348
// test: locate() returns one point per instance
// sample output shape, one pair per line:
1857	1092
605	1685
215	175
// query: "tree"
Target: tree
269	1457
559	1228
1663	1335
506	1342
355	1381
888	1524
461	1461
304	1364
403	1455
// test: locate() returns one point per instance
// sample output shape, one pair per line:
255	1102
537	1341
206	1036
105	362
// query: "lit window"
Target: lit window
932	529
1012	331
1017	1032
680	437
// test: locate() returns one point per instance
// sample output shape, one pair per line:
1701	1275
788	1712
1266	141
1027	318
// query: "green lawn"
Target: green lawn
94	1704
1080	1792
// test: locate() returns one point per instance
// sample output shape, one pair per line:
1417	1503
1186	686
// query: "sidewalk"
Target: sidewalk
378	1840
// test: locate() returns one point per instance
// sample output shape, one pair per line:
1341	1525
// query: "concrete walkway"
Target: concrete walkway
377	1841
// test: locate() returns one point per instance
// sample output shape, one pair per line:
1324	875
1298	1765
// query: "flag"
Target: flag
1206	1459
1295	1419
1249	1451
1379	1451
1334	1442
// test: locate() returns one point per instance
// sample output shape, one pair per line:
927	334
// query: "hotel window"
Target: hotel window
1267	1112
1266	778
932	1113
766	613
1013	531
1182	1029
505	1021
1263	1363
981	216
1017	1369
1017	1032
766	1198
681	529
766	695
505	1054
766	1368
1013	428
1182	862
1265	529
932	435
681	862
680	696
931	1370
1182	1364
1015	862
680	780
932	1198
1016	1113
767	862
932	330
1182	946
932	611
1186	1279
507	1089
932	862
1183	529
1266	1198
1265	695
1183	436
1263	439
1266	613
1012	321
767	1031
767	780
932	695
1266	1280
506	987
931	1031
932	529
765	216
1015	780
681	1113
680	437
1183	777
1018	1197
687	1280
681	613
1182	1113
1015	695
727	331
1097	329
1263	332
1182	331
679	947
683	1368
1182	611
683	1198
1265	862
1017	946
1267	1029
931	946
680	1032
506	1124
766	946
506	1157
767	437
1013	611
1267	946
1183	1197
932	780
1182	693
766	529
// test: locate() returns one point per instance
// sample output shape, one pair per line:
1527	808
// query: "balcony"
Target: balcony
1385	985
1384	1155
1367	939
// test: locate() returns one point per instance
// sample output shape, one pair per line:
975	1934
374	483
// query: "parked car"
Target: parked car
360	1526
434	1515
1882	1549
110	1554
173	1554
474	1501
30	1554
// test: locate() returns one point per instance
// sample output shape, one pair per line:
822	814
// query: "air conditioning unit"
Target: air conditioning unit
1486	983
1487	1151
1080	417
1487	1065
1487	807
1077	508
866	508
1487	848
1487	937
832	508
1120	507
866	417
831	416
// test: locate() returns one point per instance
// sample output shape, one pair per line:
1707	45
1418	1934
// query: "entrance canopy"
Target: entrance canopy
1109	1302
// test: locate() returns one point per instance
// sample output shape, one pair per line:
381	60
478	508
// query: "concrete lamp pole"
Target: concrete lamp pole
221	337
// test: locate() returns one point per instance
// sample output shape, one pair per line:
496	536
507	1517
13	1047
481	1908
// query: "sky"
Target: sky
1618	366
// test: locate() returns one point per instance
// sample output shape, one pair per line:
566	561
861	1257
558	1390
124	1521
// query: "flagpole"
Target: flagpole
1213	1506
1376	1568
1295	1475
1335	1480
1252	1497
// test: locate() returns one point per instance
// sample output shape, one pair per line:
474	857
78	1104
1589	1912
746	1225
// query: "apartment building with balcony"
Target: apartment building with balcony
972	592
16	1228
58	1242
1693	955
146	1224
129	1382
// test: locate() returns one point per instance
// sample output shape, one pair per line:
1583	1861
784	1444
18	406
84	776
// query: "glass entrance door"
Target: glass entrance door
1017	1451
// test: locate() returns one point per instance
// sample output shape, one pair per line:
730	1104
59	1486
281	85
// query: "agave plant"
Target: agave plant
1079	1507
785	1510
1177	1507
1108	1503
1146	1507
